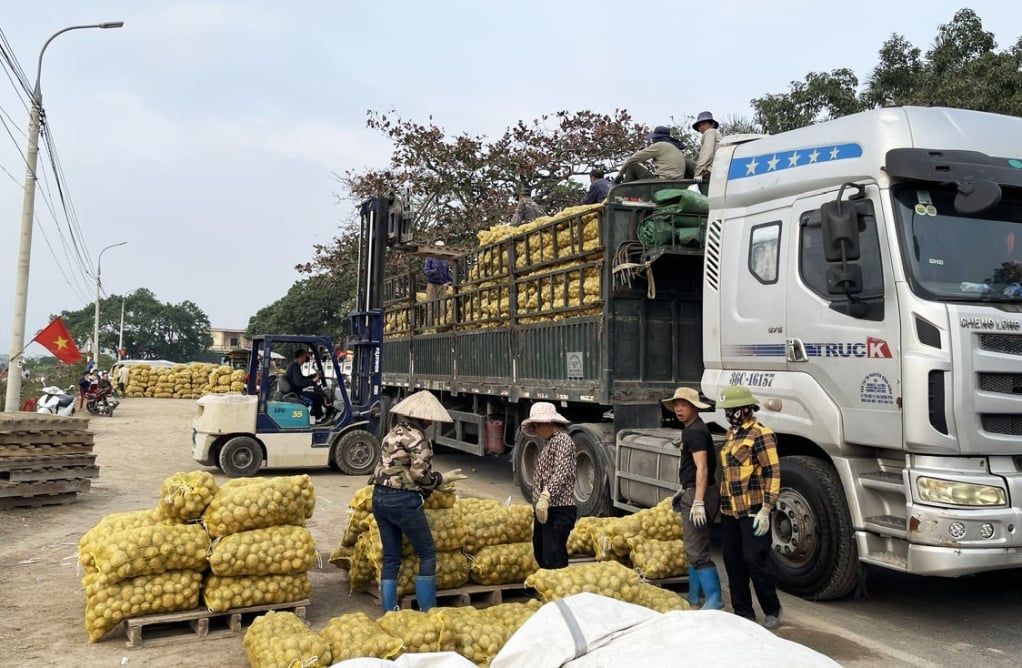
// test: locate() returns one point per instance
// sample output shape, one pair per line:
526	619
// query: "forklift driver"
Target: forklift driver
305	385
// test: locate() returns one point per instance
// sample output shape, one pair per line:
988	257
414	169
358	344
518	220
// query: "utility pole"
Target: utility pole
95	325
13	398
120	337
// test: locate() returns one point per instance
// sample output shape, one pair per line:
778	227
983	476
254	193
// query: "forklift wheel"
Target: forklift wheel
241	457
356	452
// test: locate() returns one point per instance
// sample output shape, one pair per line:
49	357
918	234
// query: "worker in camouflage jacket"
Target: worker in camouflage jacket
402	481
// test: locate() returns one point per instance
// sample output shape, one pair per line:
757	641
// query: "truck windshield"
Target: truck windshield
953	257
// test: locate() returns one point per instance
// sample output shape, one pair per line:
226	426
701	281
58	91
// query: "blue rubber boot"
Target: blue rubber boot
388	595
694	588
709	580
425	592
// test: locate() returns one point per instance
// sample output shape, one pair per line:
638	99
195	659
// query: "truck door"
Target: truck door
752	298
850	351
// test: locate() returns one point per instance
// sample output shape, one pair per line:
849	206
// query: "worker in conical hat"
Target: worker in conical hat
402	481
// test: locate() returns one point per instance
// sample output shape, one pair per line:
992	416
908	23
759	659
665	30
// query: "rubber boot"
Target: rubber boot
425	592
388	595
709	580
694	588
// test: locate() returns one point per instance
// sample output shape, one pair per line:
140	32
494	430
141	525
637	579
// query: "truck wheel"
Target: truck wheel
592	486
356	452
241	457
813	543
526	455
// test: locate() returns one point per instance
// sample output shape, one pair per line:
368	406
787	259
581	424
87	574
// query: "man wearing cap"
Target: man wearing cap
438	281
708	141
553	491
527	210
697	498
599	187
667	154
749	485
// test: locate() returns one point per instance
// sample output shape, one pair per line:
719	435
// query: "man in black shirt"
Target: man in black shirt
697	498
304	385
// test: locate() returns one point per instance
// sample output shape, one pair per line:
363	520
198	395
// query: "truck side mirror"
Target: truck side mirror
841	226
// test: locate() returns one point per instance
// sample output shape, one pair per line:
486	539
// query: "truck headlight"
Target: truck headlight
958	493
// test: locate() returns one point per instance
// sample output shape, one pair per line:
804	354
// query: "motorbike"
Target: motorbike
100	399
56	401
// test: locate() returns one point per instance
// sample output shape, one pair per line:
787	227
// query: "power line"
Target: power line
7	53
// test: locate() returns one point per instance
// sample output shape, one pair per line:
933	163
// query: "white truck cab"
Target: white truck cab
862	277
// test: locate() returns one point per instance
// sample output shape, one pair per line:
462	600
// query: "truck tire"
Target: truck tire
356	452
592	483
813	543
525	456
240	457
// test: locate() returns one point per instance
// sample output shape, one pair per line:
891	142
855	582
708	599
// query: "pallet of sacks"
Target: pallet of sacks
200	542
183	381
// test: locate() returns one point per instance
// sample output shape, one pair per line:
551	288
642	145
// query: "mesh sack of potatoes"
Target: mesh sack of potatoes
580	540
608	578
501	564
358	522
148	550
183	496
361	569
418	631
256	503
115	523
340	556
452	570
659	522
283	640
355	635
363	499
107	604
469	506
507	524
479	635
659	599
280	550
448	530
440	500
658	559
222	592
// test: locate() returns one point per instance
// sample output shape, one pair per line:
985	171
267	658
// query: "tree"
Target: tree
152	329
317	305
962	69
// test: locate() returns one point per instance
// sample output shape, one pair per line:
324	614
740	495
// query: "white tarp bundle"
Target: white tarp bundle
591	631
426	660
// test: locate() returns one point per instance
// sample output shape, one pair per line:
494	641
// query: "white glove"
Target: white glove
761	522
451	477
698	179
698	513
542	506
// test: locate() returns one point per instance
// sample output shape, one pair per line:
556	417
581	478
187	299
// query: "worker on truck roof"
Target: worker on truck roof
709	140
667	154
527	210
599	187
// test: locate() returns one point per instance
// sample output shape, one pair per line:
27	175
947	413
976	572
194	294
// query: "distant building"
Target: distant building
226	340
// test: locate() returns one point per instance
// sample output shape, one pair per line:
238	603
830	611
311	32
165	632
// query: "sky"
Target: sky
205	133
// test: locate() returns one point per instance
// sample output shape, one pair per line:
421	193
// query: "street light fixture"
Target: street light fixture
95	326
13	397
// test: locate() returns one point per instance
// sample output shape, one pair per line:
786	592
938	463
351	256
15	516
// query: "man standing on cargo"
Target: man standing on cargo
708	141
697	498
749	485
599	187
667	154
527	209
438	282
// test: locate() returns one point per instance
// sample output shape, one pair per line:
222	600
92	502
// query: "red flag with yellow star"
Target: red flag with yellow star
58	341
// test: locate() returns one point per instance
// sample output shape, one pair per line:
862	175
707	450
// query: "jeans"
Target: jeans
747	556
550	540
400	511
697	539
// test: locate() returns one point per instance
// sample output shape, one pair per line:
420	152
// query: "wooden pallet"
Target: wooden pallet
173	627
480	596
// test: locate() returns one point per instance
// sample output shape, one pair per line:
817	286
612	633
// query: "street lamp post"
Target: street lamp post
95	326
13	397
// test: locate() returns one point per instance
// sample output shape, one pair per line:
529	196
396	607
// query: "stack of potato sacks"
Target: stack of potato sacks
152	561
184	381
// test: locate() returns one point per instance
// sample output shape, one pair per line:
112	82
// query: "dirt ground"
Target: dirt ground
146	441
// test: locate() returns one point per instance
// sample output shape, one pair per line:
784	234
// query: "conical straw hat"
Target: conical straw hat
424	406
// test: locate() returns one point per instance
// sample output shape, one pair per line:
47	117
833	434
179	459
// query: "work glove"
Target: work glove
698	514
676	501
451	477
542	506
761	522
698	179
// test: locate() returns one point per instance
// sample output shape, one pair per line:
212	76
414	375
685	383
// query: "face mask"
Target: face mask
735	416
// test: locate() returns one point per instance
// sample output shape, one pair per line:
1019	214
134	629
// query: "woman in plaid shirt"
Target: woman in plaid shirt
750	483
553	491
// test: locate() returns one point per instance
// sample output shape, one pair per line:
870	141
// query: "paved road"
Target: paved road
903	621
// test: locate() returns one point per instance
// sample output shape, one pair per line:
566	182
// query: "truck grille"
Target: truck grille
1004	423
1002	383
1001	343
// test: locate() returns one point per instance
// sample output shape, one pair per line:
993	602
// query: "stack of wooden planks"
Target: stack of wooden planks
44	459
